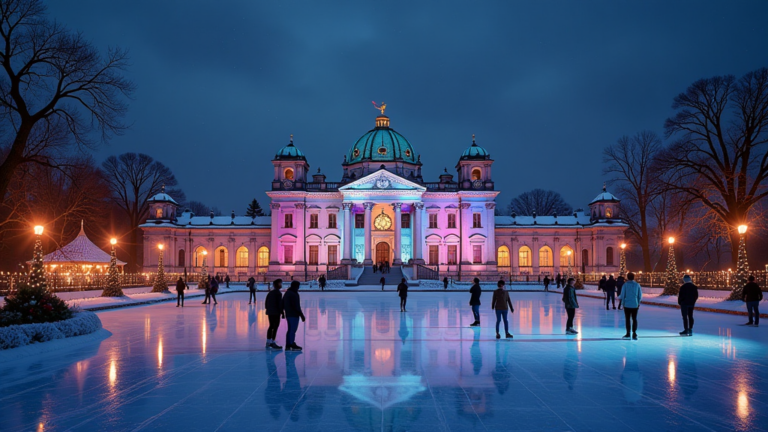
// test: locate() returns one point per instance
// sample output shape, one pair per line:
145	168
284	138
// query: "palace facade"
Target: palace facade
382	210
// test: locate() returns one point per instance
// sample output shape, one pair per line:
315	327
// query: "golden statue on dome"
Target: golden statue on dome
381	107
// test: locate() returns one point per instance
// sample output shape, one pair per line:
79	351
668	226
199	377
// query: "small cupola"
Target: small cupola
474	168
605	206
162	208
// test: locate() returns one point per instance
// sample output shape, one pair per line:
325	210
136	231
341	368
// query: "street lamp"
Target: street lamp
622	260
742	266
39	230
113	242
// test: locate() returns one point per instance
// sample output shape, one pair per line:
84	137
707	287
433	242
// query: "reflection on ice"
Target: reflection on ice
382	392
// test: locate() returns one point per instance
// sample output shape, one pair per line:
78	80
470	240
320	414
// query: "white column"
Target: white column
301	226
535	257
348	244
418	238
514	255
490	229
466	222
368	208
273	242
398	220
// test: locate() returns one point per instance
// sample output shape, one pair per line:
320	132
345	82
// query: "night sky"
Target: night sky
544	85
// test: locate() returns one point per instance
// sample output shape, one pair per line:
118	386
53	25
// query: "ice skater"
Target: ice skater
251	289
382	281
321	281
571	303
291	307
610	292
752	295
273	309
558	279
686	298
207	299
180	285
546	283
214	289
226	280
474	301
445	283
402	291
631	295
619	283
501	304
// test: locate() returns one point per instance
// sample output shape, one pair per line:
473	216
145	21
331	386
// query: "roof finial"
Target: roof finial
82	227
473	140
603	186
381	107
163	188
291	143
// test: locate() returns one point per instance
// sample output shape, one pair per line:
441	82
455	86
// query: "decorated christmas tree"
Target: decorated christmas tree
203	284
160	283
37	272
672	285
113	288
622	263
742	272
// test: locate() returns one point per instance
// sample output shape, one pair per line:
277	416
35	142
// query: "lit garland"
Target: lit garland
37	272
622	263
672	286
113	288
160	284
742	272
203	284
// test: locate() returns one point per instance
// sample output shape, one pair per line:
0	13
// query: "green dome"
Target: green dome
475	152
382	144
290	152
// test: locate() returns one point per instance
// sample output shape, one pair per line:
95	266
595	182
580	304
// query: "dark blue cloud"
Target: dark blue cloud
544	85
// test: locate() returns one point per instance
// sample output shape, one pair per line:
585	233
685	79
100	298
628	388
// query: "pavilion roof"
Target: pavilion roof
81	250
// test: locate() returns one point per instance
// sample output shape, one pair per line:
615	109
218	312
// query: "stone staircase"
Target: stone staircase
370	278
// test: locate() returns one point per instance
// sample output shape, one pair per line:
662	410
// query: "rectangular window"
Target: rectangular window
477	254
434	254
405	220
333	252
452	255
433	220
451	220
289	220
332	220
525	257
313	220
288	254
359	221
313	254
476	218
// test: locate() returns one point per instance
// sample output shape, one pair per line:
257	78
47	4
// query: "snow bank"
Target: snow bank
82	323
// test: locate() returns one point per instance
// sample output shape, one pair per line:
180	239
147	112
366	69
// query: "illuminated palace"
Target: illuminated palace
382	210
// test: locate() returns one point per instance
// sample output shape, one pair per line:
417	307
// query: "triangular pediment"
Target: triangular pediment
382	180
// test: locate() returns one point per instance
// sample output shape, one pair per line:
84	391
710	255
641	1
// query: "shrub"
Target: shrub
30	305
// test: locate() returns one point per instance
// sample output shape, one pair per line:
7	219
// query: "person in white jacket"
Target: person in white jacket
631	295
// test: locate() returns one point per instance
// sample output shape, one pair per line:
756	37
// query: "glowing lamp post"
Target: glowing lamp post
37	272
672	285
622	260
160	284
742	267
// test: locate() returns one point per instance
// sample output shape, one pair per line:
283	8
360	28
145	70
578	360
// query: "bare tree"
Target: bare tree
630	162
201	209
133	179
55	88
543	202
720	158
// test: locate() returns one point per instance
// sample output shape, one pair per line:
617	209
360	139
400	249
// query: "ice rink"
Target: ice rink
366	366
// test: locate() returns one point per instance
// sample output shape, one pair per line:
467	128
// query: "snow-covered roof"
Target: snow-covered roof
579	218
186	219
604	196
162	197
81	250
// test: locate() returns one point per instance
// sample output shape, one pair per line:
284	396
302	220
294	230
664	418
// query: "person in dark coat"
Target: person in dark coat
251	289
445	282
273	309
226	280
752	295
558	279
292	311
686	298
374	268
601	284
382	281
214	290
180	285
402	291
322	282
610	292
499	304
207	299
571	303
619	283
546	283
474	301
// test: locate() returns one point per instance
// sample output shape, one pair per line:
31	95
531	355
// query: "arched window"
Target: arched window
221	256
503	257
524	256
159	213
545	257
182	256
289	174
263	257
609	256
476	174
608	213
242	257
564	256
199	256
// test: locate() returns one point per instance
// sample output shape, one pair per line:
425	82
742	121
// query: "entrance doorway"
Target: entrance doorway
382	253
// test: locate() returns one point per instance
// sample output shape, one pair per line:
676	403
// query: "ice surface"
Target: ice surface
366	366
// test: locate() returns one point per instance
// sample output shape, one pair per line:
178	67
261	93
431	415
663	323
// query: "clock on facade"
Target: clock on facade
382	222
287	184
477	184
